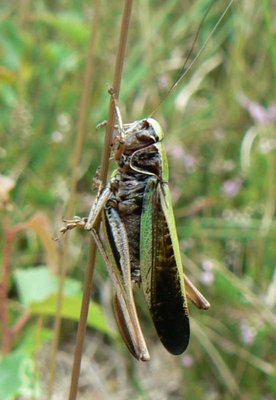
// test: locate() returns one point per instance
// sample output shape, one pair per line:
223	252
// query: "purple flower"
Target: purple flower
176	150
189	161
207	275
259	113
231	187
207	278
188	360
178	153
247	332
207	265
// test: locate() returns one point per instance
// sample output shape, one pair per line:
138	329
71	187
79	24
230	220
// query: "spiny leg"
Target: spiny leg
120	140
111	91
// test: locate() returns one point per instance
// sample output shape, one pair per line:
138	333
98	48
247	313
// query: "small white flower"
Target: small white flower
207	265
207	278
57	136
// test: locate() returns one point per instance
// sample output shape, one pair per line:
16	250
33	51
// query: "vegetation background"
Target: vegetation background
220	137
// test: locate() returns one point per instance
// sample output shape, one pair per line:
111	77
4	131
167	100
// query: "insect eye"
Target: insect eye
145	124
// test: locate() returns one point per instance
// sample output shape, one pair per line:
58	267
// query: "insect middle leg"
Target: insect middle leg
89	222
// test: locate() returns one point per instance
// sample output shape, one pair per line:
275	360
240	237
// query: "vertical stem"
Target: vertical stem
267	10
103	176
7	251
83	109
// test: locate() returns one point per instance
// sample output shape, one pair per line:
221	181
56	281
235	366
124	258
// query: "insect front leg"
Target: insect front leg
119	141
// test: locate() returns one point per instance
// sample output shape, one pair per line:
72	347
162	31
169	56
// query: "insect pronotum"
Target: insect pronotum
139	243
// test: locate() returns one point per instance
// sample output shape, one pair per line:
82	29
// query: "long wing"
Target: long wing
161	268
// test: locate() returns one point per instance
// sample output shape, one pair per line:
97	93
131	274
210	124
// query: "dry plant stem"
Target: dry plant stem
21	322
9	236
103	176
7	332
83	111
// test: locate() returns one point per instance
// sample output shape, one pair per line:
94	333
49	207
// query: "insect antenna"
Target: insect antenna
184	71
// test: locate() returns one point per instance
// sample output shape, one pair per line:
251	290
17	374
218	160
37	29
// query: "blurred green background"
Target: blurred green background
220	137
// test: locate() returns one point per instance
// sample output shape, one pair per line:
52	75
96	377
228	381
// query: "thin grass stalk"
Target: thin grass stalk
235	349
224	372
270	202
268	13
9	236
103	176
83	111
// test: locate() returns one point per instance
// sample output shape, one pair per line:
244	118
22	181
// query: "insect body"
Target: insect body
140	244
140	200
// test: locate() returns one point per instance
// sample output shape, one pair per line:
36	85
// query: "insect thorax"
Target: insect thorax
128	188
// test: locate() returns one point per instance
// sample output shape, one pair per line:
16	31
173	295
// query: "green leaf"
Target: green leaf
33	338
272	382
16	375
37	289
36	284
70	25
71	310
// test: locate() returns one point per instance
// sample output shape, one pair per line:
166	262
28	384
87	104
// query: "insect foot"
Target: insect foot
76	222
